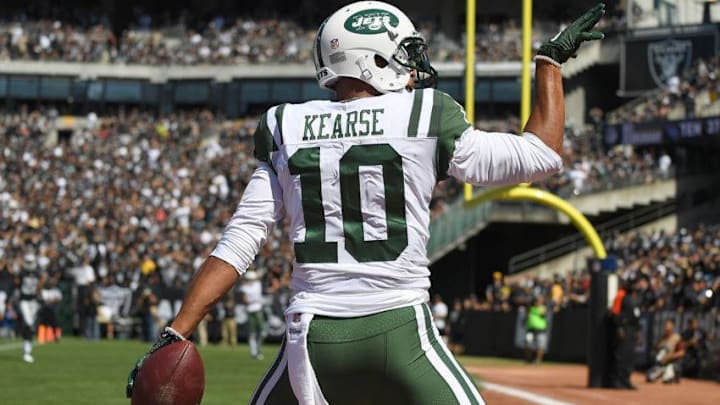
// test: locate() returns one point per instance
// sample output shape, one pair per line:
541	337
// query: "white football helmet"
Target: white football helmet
374	42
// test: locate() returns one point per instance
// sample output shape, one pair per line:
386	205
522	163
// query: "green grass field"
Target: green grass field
77	372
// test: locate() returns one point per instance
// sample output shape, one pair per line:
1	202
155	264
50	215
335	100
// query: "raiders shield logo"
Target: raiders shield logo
667	59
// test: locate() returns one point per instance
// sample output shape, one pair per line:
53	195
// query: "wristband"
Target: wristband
549	60
175	333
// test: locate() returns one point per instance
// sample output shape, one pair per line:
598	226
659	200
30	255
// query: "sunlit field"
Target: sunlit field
79	372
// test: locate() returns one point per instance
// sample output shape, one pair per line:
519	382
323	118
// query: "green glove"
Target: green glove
168	336
566	43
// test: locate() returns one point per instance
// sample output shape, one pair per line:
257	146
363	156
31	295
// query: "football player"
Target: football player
30	285
355	177
253	298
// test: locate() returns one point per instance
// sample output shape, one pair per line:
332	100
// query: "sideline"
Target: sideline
522	394
10	346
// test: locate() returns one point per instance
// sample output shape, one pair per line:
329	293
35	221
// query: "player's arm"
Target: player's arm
245	234
547	120
678	353
247	231
257	212
483	158
210	284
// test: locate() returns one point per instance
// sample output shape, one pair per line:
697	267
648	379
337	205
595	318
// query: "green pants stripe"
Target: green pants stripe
394	357
459	374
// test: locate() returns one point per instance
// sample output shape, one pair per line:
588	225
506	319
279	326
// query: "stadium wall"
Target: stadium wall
568	335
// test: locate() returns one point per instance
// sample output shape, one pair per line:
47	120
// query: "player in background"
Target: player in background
251	289
439	314
669	352
4	313
29	287
355	177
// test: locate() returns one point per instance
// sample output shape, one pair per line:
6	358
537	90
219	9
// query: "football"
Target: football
173	375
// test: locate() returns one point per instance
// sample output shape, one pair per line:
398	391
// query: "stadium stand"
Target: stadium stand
683	269
158	168
225	42
694	94
175	178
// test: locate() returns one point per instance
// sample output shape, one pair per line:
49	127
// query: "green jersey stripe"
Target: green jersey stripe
448	122
264	142
415	114
435	115
279	110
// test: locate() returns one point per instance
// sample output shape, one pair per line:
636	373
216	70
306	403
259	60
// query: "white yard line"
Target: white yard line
523	394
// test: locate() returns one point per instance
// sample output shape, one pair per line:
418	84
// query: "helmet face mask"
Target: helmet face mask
373	42
412	53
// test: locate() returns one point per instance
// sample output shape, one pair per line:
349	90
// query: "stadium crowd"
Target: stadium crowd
682	274
682	269
126	208
590	168
122	203
224	41
693	93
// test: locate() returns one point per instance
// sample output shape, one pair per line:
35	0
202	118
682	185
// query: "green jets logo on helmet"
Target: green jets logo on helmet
371	21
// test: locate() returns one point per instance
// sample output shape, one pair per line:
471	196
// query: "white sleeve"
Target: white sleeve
493	158
254	218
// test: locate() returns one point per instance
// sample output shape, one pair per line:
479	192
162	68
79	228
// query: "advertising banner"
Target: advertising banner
650	57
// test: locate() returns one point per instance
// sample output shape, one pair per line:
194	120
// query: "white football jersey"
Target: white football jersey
355	179
252	291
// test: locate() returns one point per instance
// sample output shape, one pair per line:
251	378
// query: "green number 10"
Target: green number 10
315	249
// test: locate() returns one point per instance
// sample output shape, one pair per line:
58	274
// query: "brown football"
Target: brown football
173	375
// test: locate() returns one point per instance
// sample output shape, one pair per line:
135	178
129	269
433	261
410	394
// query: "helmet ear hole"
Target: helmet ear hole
380	61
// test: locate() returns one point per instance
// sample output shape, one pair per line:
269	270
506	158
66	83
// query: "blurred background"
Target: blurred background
126	142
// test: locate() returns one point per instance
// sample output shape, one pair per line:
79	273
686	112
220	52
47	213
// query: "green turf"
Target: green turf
77	372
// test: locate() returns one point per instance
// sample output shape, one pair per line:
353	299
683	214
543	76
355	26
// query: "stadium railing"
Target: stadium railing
164	73
636	179
571	243
454	227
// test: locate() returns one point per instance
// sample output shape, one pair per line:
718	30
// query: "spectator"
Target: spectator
625	316
669	352
694	341
536	326
664	165
115	302
89	313
498	293
457	320
556	293
148	314
229	326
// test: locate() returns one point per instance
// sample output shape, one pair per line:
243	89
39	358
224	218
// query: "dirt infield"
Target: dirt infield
566	384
